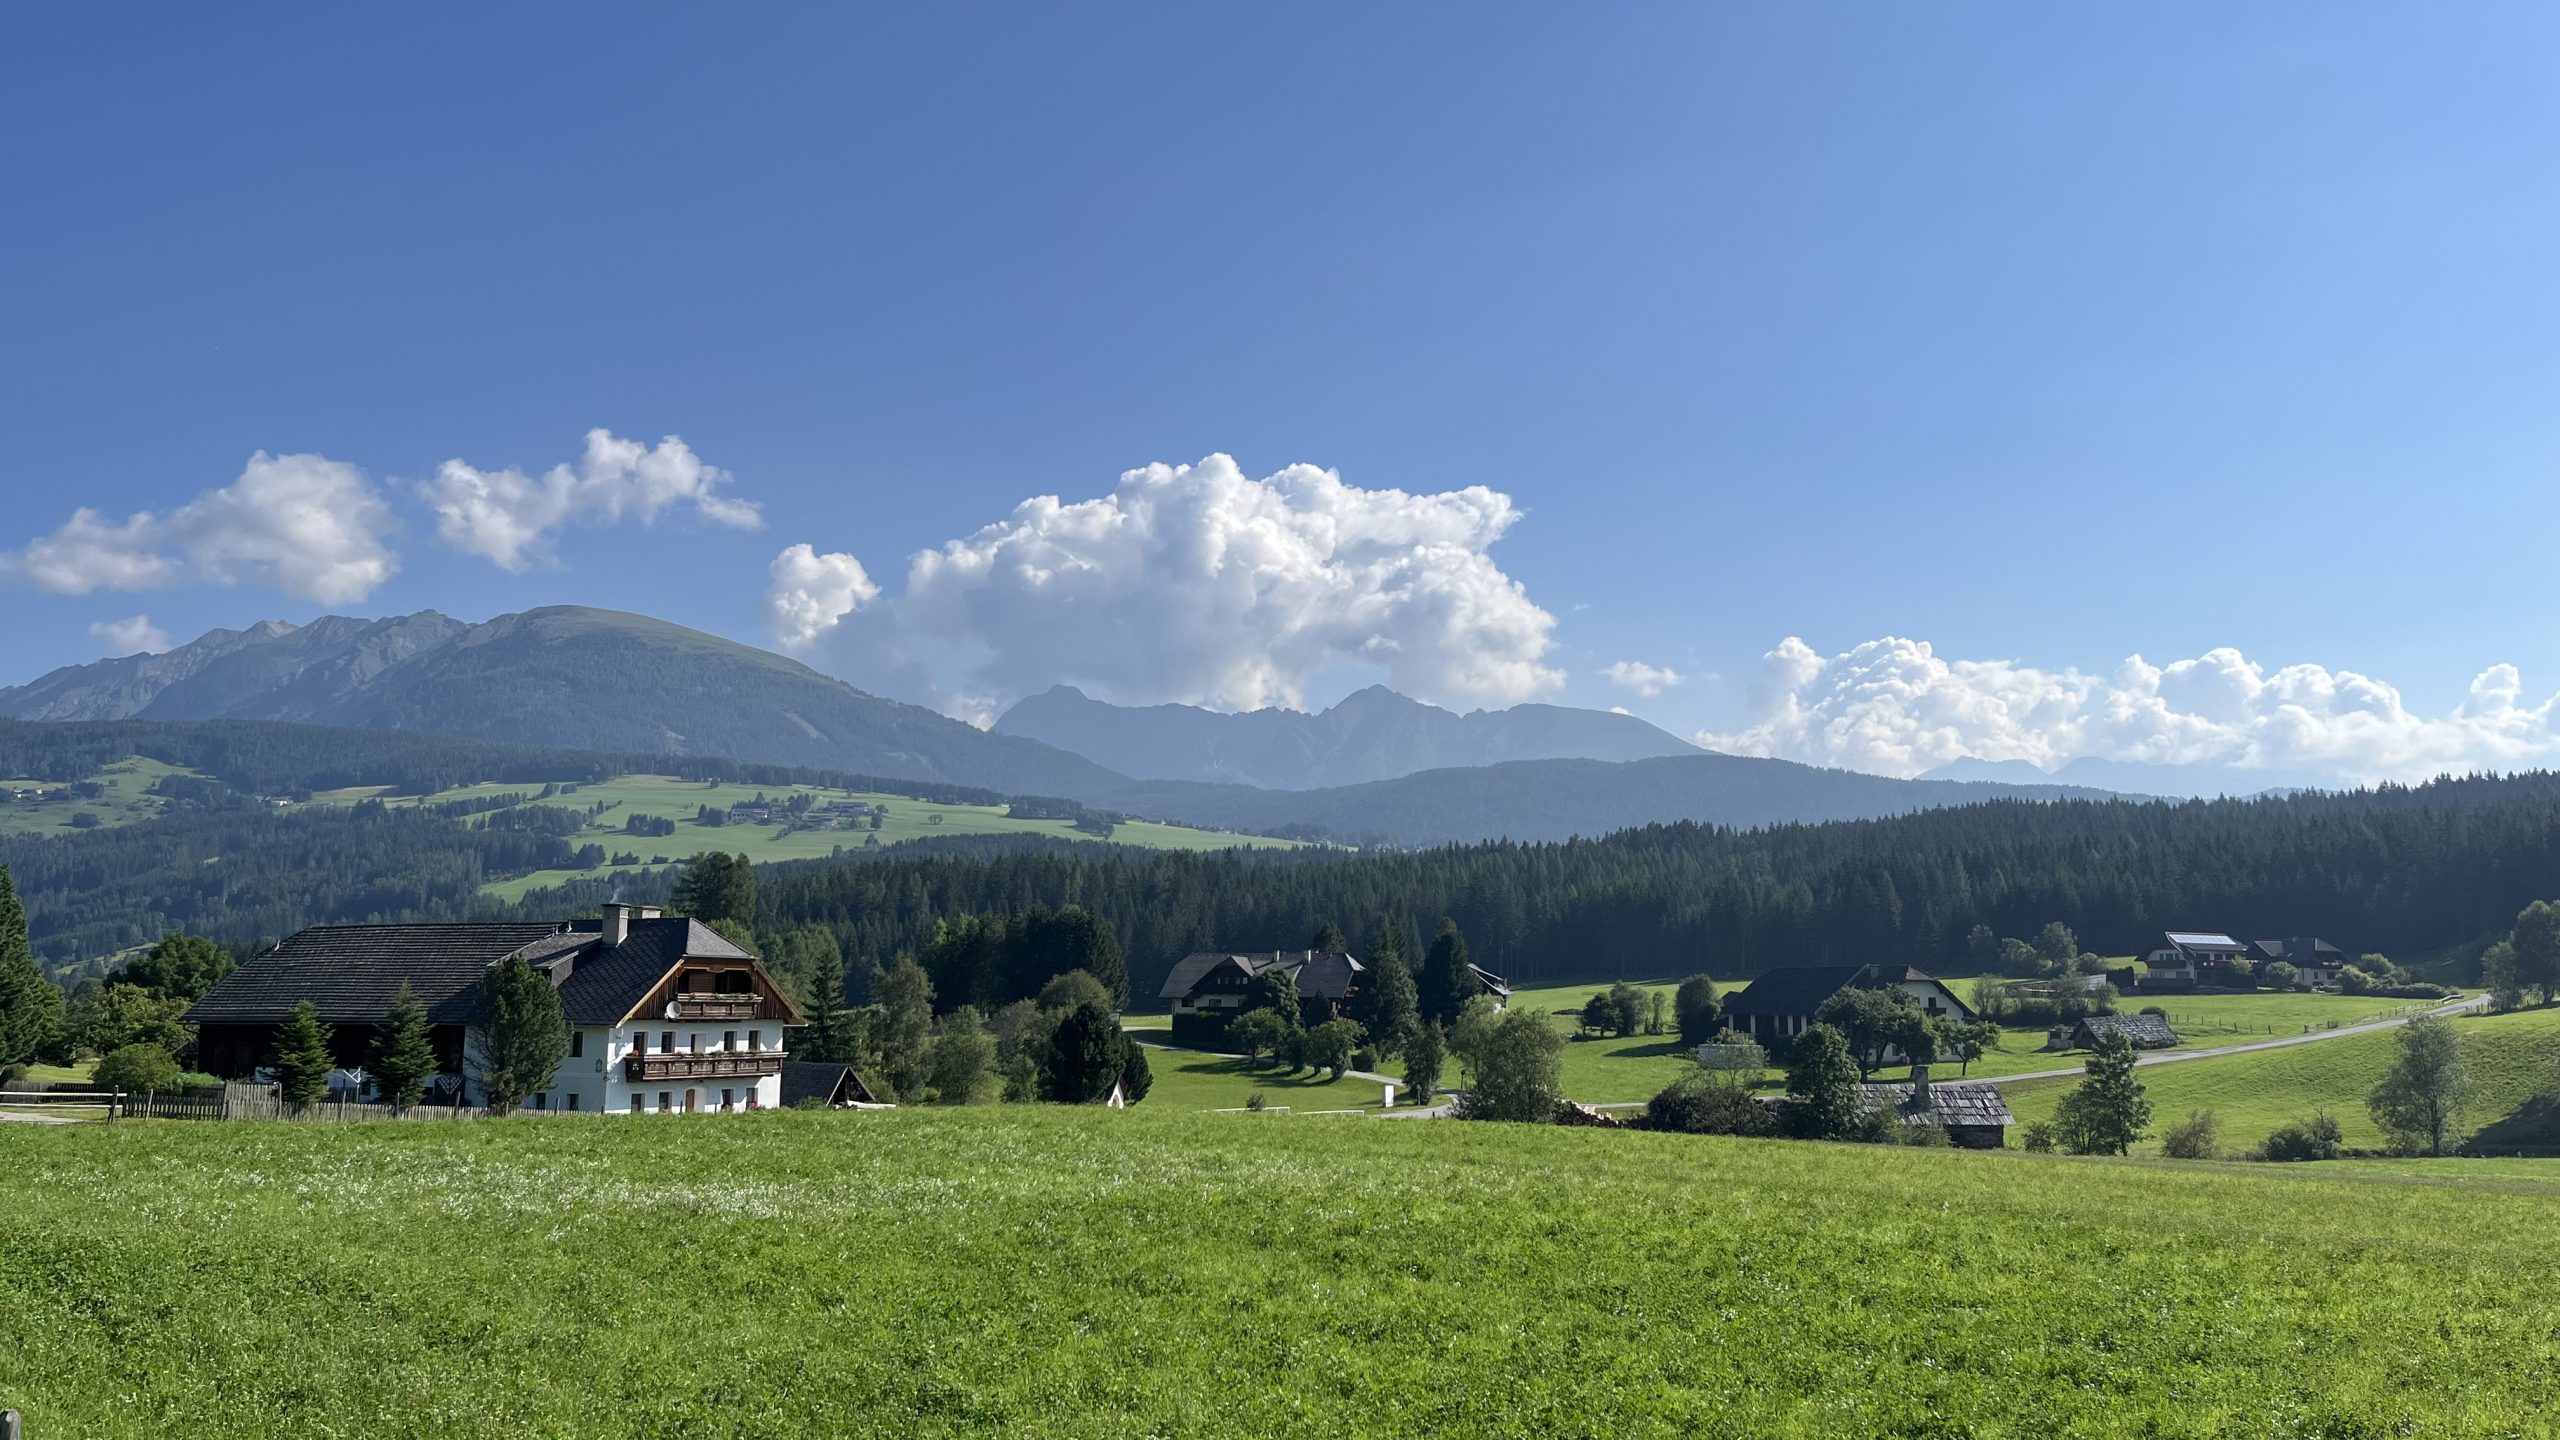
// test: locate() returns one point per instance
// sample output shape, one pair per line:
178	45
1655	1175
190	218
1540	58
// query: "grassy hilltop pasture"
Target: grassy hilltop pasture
125	798
667	797
1068	1273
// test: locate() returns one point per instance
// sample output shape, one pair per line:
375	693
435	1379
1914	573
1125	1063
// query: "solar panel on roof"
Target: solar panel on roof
2185	937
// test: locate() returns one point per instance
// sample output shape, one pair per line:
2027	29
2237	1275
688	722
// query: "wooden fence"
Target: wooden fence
231	1101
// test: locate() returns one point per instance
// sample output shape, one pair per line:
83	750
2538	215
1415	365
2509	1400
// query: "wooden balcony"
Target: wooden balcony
715	1007
708	1065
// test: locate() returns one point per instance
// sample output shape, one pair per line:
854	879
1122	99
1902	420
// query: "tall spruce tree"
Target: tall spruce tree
522	1036
1086	1056
1386	1001
404	1056
302	1058
30	1007
1448	983
906	1039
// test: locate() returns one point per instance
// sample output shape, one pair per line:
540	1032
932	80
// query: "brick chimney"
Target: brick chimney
1920	1087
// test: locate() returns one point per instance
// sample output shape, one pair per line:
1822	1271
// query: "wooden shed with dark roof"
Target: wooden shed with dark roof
2146	1031
1971	1112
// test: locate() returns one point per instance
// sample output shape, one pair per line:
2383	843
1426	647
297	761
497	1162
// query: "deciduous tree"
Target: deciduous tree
1423	1057
717	886
1696	1010
2109	1110
963	1061
1822	1085
138	1070
2420	1100
1515	1074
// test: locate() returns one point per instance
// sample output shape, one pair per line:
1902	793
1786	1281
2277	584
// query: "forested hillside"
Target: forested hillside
1559	799
2400	870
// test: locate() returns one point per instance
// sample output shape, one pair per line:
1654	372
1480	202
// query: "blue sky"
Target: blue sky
2045	335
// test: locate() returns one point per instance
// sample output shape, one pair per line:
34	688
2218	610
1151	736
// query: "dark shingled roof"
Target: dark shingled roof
351	972
2147	1032
816	1080
1327	974
604	983
1801	991
1950	1103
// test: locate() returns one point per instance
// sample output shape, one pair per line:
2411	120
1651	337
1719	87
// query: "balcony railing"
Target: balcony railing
708	1065
714	1007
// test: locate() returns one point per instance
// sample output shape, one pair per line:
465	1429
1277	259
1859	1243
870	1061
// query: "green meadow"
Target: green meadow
2514	1061
670	798
1051	1272
126	797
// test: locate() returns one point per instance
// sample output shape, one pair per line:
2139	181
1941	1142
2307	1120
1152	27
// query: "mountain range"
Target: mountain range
1375	734
1377	767
566	677
2200	779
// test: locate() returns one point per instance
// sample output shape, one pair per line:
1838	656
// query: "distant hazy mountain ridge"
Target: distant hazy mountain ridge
566	677
1375	734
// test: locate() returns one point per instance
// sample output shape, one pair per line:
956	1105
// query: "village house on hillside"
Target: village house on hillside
1208	989
663	1014
1781	1004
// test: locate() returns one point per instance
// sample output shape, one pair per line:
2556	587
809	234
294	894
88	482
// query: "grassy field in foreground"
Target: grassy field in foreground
1090	1273
667	797
2514	1060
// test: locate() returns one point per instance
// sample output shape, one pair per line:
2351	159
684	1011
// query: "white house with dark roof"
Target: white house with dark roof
2193	957
1781	1005
664	1015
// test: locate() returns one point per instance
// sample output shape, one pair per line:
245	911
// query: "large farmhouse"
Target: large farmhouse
2192	958
1208	989
663	1014
1779	1006
2314	959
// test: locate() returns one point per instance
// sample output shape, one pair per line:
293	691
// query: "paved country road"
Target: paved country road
2173	1057
6	1115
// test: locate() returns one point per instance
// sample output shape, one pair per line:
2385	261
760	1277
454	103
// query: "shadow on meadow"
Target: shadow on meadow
2532	1128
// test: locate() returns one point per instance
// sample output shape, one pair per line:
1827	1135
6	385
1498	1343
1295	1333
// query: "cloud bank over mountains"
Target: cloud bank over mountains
1893	706
1202	584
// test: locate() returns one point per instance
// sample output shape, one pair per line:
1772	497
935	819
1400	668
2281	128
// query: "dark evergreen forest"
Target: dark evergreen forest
2411	872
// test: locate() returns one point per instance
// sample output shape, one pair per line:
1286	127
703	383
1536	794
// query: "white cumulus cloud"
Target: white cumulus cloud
1646	680
307	525
133	635
1894	706
1201	583
511	518
810	594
